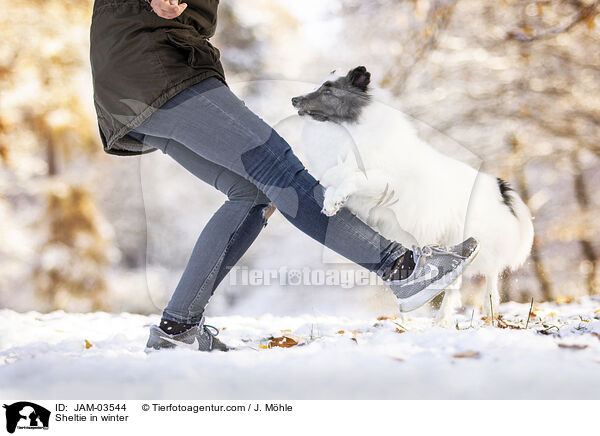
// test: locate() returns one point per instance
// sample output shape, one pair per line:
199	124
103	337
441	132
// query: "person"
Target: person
159	85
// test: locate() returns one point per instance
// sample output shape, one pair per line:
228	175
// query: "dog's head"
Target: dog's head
338	99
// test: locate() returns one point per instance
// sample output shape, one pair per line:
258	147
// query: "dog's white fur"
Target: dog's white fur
414	194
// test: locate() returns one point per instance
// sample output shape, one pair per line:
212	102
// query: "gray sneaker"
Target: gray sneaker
435	269
200	337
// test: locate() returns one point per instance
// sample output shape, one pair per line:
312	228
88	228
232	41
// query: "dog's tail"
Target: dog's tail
519	209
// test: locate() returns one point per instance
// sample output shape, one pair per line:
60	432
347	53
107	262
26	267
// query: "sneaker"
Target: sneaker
201	338
435	269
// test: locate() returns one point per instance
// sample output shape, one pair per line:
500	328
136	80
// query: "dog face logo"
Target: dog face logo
26	415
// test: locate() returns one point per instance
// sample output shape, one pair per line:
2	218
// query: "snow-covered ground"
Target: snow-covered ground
101	356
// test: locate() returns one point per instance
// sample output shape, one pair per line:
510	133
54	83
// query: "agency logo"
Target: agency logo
26	415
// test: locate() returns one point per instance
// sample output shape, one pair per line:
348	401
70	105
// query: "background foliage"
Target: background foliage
517	82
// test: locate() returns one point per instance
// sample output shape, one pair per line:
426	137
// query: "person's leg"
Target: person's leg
210	121
223	241
213	123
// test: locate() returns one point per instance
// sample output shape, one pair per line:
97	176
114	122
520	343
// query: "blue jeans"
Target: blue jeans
211	133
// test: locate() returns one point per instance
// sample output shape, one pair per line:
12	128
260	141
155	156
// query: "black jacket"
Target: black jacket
140	60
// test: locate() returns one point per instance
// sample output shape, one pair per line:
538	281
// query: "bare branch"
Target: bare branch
582	14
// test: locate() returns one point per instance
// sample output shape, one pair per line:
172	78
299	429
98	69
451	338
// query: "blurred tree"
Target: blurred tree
53	170
41	80
242	51
76	247
526	70
46	124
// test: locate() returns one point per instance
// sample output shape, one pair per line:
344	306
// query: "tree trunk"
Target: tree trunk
583	200
51	157
540	270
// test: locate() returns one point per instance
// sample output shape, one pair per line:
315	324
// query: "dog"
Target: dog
370	160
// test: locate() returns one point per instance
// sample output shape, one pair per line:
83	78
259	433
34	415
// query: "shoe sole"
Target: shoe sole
179	345
426	295
149	350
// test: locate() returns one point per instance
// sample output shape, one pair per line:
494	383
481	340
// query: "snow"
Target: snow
45	356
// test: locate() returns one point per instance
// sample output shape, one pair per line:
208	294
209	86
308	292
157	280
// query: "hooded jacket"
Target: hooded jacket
140	60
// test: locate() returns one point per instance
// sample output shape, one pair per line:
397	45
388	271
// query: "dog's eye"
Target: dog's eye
327	91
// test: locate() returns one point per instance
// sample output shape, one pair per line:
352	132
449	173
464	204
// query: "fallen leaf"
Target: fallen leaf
398	359
596	334
354	339
597	311
87	344
399	331
573	346
469	354
263	346
505	325
562	299
223	328
487	320
383	318
283	342
341	332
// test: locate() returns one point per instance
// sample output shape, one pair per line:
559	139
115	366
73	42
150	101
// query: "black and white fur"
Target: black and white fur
370	160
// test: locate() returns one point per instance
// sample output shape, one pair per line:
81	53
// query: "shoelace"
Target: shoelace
211	334
421	253
207	330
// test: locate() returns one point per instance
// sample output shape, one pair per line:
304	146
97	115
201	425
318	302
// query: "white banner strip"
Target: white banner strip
251	417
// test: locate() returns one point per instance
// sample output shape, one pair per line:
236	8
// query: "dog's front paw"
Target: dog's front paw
330	208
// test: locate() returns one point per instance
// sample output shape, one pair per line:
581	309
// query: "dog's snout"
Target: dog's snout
295	100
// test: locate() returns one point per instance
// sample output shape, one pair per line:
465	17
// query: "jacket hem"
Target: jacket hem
111	146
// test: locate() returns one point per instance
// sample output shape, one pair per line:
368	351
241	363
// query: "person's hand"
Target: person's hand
168	8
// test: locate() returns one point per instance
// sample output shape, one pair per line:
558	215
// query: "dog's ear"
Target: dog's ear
359	78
